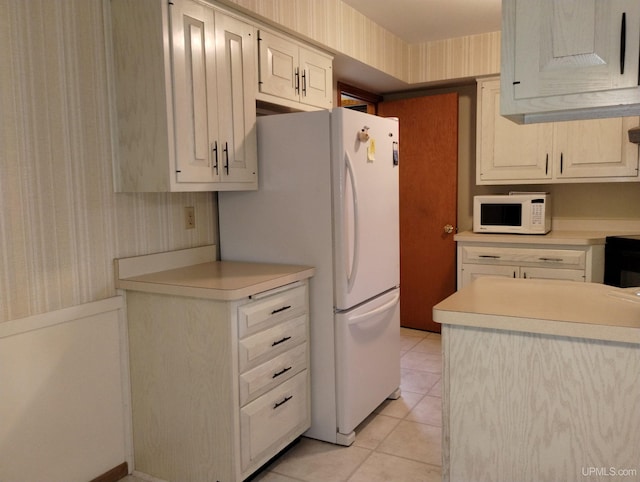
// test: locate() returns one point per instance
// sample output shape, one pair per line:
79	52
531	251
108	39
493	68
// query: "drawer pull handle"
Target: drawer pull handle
281	341
491	256
281	372
558	260
286	399
284	308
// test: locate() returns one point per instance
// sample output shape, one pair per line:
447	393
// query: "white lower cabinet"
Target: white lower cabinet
530	261
218	387
471	272
273	417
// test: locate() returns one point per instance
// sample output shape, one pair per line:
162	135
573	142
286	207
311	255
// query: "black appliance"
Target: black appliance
622	261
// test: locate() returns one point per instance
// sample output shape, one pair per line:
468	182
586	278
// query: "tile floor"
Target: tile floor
400	442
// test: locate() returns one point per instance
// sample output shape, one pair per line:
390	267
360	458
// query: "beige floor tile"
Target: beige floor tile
417	381
414	441
389	468
399	408
422	360
273	477
373	430
407	342
412	332
311	460
430	345
428	410
436	390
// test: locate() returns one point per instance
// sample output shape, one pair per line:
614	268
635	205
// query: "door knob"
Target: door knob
448	228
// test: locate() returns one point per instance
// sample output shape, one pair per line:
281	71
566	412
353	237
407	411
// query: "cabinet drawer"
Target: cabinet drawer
268	311
560	258
263	378
262	346
281	414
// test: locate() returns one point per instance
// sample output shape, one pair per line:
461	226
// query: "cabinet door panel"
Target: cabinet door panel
236	100
506	150
279	73
471	272
316	81
551	273
195	95
570	46
595	148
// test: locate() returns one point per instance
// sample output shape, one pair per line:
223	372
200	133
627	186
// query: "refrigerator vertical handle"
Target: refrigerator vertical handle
351	275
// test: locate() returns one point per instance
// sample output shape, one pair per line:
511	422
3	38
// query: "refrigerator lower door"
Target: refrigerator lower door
367	360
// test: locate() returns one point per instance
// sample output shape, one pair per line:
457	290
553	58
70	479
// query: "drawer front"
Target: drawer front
258	348
560	258
263	378
273	309
279	414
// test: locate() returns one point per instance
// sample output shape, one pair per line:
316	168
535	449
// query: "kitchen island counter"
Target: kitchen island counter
540	381
553	307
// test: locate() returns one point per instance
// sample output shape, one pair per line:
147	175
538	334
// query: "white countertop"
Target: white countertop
577	238
217	280
563	308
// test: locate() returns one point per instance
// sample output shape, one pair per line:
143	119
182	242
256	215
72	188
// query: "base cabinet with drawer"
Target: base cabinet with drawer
579	262
218	387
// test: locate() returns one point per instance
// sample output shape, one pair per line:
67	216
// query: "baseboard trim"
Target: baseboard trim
114	474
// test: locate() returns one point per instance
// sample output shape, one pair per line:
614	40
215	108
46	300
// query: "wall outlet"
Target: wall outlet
189	217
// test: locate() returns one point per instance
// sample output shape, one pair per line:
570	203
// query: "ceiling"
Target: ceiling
417	21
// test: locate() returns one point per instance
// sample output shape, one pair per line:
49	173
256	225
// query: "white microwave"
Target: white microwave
514	213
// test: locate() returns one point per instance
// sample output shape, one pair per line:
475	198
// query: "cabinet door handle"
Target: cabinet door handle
546	165
281	372
214	149
524	275
623	41
489	256
285	400
281	341
297	80
557	260
304	83
226	155
514	274
284	308
561	162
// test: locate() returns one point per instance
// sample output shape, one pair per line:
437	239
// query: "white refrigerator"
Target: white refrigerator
328	197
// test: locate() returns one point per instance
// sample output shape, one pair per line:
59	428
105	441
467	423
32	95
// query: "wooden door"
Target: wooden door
428	202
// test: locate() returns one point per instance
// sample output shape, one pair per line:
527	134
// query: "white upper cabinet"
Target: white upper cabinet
184	84
235	58
570	59
293	75
595	150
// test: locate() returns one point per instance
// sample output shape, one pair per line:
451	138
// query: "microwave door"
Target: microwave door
501	214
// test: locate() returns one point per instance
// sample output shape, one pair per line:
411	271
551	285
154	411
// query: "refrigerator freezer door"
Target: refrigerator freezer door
366	206
367	358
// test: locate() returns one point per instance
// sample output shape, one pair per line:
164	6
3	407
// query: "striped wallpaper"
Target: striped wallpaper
338	27
61	224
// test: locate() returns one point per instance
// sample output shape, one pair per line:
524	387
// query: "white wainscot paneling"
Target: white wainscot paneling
63	395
